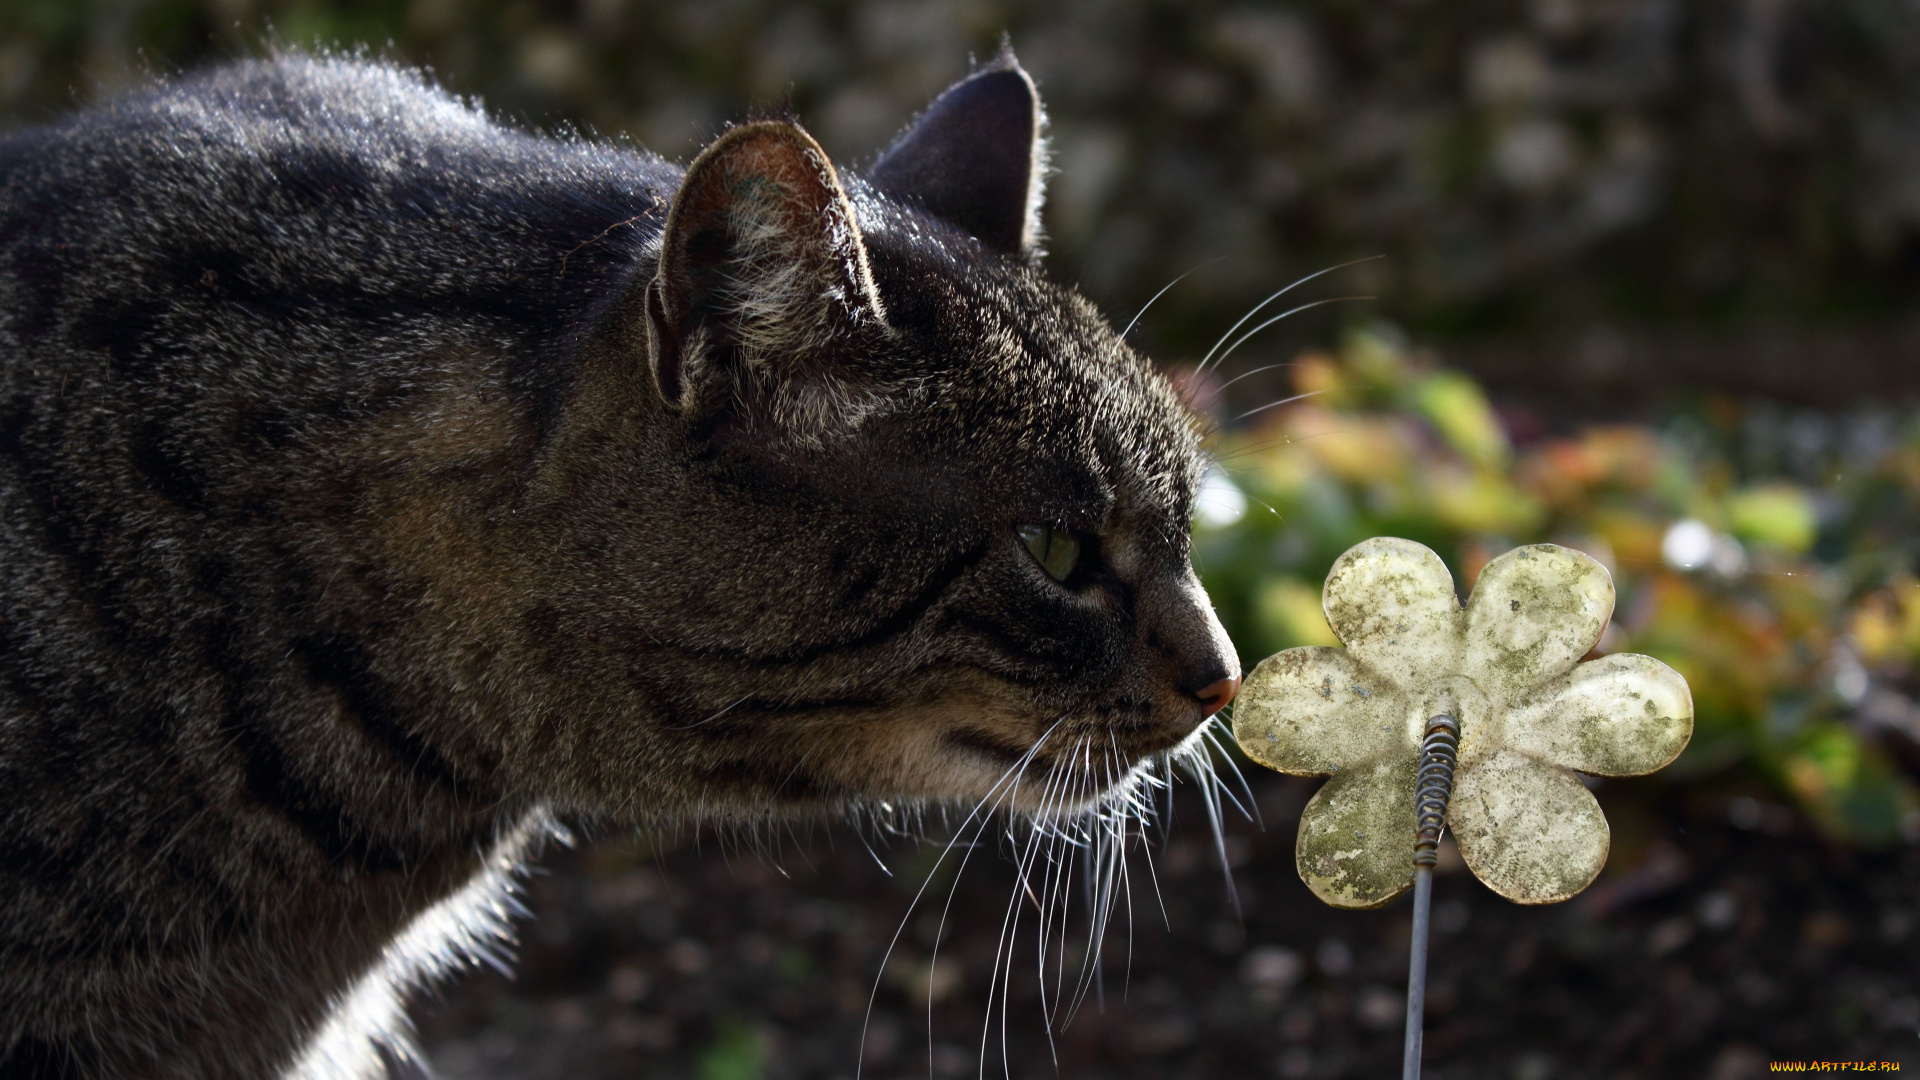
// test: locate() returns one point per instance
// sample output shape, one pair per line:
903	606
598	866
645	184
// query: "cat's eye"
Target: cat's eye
1056	550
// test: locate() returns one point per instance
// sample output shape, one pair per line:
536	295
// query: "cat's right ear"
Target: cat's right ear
761	262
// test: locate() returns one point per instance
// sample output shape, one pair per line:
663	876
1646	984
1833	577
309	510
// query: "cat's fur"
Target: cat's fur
376	480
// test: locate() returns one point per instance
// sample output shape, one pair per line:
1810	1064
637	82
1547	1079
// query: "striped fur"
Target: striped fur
360	514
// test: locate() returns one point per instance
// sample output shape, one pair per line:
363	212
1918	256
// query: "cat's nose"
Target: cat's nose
1205	667
1215	695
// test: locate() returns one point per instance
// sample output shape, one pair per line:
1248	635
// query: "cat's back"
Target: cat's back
300	131
288	186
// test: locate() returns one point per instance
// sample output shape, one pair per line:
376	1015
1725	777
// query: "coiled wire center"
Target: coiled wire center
1434	787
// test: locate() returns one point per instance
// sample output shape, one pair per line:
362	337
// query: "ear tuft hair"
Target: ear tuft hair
761	260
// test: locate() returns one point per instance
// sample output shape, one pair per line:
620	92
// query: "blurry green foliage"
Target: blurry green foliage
1777	514
1785	604
738	1052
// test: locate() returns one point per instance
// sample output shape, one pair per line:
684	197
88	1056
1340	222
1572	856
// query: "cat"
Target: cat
380	484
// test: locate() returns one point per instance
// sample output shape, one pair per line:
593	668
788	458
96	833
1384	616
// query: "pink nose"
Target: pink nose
1215	696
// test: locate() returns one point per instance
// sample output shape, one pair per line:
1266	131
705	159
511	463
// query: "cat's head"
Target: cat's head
908	521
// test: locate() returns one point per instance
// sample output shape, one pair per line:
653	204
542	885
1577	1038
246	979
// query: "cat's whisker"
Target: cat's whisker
997	983
1135	321
1126	893
1043	843
1109	867
1061	898
1229	461
1059	883
953	891
1095	893
1277	404
1118	876
1074	837
1099	887
1257	308
1010	782
940	929
1289	313
877	860
1210	793
1068	855
1154	877
1256	371
1218	730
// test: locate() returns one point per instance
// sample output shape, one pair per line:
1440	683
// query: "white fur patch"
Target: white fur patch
368	1025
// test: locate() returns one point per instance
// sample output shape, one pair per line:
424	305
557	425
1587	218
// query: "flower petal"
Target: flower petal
1355	848
1534	613
1531	831
1392	603
1311	711
1620	715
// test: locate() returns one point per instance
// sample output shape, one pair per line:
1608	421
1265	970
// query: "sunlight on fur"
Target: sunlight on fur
369	1027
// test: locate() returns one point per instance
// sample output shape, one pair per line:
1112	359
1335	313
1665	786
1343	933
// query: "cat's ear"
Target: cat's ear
760	258
977	158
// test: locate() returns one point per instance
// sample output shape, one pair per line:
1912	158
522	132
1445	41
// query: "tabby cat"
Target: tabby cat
378	482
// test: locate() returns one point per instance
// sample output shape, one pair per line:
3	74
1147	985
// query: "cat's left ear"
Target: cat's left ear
977	158
761	264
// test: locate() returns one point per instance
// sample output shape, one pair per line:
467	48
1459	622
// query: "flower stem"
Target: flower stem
1432	790
1417	971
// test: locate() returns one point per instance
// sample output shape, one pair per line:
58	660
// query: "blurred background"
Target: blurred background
1643	287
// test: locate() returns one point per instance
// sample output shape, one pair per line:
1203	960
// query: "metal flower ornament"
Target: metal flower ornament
1475	719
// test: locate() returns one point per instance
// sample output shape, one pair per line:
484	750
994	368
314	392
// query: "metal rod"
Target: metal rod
1417	971
1432	790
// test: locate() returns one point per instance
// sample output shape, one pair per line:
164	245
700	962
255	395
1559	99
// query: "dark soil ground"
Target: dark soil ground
1723	935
